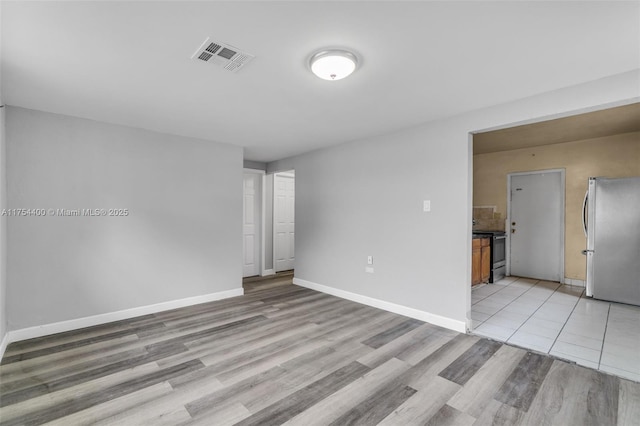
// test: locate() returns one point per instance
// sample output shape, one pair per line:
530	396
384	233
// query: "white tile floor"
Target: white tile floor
559	320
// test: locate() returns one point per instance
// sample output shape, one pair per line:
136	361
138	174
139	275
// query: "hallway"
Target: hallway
258	283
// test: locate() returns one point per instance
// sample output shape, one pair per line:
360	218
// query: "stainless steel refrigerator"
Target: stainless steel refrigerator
611	219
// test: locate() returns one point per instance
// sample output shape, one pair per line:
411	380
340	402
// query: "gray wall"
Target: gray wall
3	219
3	228
365	198
180	239
256	165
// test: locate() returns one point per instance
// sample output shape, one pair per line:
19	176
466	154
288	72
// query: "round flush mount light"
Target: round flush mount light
333	64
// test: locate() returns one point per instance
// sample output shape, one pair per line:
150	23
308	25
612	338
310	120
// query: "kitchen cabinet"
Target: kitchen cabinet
480	261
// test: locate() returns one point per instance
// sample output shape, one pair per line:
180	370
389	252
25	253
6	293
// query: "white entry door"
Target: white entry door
284	222
537	225
251	224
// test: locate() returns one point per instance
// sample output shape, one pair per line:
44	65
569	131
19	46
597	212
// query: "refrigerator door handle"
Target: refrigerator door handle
584	212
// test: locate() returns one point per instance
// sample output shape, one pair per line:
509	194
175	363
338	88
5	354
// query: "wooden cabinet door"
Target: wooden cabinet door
485	260
476	262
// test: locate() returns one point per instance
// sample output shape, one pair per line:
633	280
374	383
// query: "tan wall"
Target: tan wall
612	156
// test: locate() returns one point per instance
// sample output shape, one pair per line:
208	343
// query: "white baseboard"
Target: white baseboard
3	344
571	281
74	324
459	326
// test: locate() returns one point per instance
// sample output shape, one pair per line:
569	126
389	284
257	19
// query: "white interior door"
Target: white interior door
284	222
537	225
251	224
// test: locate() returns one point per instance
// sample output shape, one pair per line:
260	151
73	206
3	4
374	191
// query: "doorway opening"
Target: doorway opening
268	228
508	164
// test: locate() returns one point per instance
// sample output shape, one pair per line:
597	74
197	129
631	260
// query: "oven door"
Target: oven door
499	250
499	258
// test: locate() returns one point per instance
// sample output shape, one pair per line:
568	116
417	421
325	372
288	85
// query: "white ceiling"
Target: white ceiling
129	63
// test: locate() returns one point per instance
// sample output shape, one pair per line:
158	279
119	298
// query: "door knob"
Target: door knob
513	224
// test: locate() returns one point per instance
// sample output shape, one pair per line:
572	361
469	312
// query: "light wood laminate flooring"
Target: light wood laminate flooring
283	354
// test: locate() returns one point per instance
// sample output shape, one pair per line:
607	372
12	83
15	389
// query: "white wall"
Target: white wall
182	237
365	198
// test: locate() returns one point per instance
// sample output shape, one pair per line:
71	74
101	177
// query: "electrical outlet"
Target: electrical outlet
426	205
369	269
369	260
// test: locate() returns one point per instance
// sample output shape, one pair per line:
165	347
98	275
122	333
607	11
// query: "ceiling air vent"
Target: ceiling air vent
221	54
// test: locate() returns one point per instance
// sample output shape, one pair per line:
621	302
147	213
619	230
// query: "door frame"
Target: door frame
263	225
261	216
562	216
287	173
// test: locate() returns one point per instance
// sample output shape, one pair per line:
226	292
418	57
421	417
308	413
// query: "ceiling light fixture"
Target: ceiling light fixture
333	64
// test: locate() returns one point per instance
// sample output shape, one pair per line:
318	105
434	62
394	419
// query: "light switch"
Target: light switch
369	260
426	205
